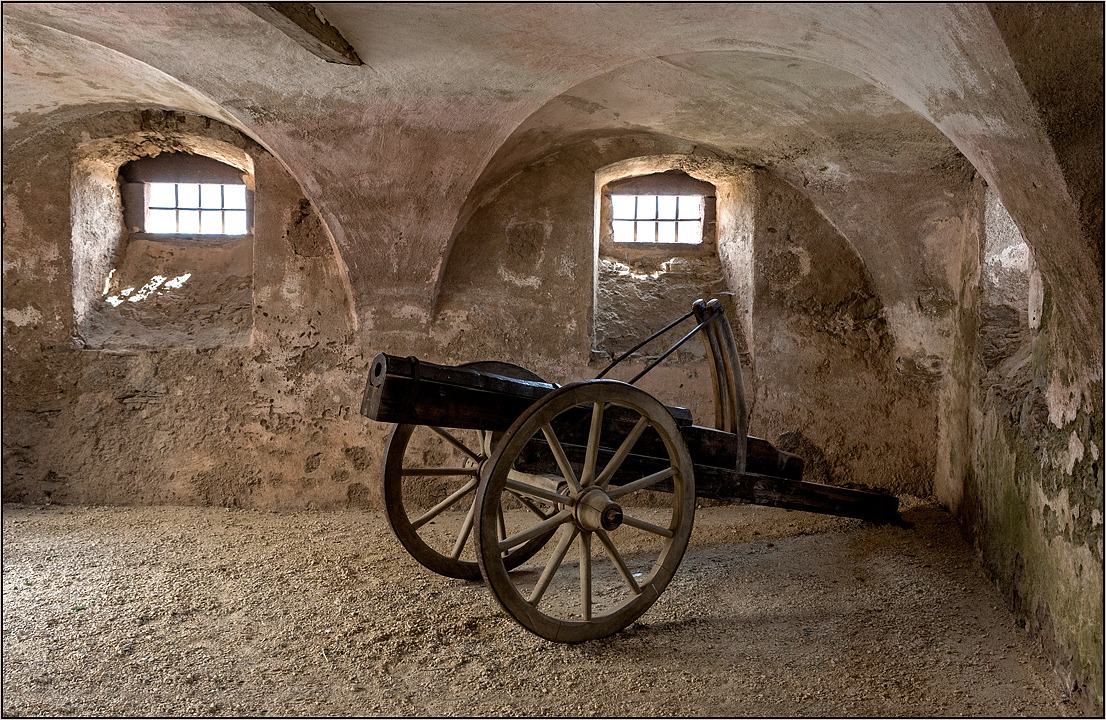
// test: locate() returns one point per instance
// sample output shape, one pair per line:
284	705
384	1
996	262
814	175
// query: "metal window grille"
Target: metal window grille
196	209
657	218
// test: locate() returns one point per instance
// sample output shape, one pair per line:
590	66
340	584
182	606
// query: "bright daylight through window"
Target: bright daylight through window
657	218
196	209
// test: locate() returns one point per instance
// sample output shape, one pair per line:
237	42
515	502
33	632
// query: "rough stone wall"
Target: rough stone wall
636	287
175	294
263	425
1027	450
520	283
828	385
274	423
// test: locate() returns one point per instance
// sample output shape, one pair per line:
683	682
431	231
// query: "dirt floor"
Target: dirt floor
201	611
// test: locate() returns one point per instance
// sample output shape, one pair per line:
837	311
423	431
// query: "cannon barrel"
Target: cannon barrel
409	390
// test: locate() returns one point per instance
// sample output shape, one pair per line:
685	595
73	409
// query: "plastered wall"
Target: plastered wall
821	374
258	424
830	385
273	422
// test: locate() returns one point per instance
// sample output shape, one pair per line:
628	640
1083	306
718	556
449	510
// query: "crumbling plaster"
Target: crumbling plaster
1018	456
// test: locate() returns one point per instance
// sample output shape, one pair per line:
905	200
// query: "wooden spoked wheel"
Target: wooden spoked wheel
429	484
597	451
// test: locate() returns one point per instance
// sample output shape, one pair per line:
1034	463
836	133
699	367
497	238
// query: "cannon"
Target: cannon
491	472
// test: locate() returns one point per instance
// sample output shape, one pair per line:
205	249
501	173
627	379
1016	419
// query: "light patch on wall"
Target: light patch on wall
156	285
506	275
22	318
1063	400
1074	453
1015	257
629	272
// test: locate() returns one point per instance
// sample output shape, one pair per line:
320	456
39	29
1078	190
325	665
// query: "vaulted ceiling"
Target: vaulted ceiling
453	99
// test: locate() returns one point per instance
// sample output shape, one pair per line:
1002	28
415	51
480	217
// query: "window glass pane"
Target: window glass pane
211	196
235	222
666	231
163	195
666	207
623	231
189	221
647	232
623	206
691	231
691	207
188	195
646	207
234	197
161	221
211	222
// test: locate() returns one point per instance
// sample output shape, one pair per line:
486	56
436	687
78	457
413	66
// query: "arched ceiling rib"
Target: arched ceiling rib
42	77
390	151
811	123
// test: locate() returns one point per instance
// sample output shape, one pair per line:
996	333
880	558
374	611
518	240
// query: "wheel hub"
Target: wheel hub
595	511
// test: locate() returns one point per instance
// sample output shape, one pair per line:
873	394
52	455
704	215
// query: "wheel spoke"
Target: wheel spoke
616	461
537	492
562	459
647	481
437	509
646	526
585	575
502	522
588	475
539	529
439	472
465	530
551	566
616	558
455	442
529	504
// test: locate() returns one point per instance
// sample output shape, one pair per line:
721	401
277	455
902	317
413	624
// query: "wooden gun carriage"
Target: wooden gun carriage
491	471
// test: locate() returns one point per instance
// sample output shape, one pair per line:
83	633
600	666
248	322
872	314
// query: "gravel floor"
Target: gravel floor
202	611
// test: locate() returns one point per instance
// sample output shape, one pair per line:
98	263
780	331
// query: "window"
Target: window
186	195
657	218
195	209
